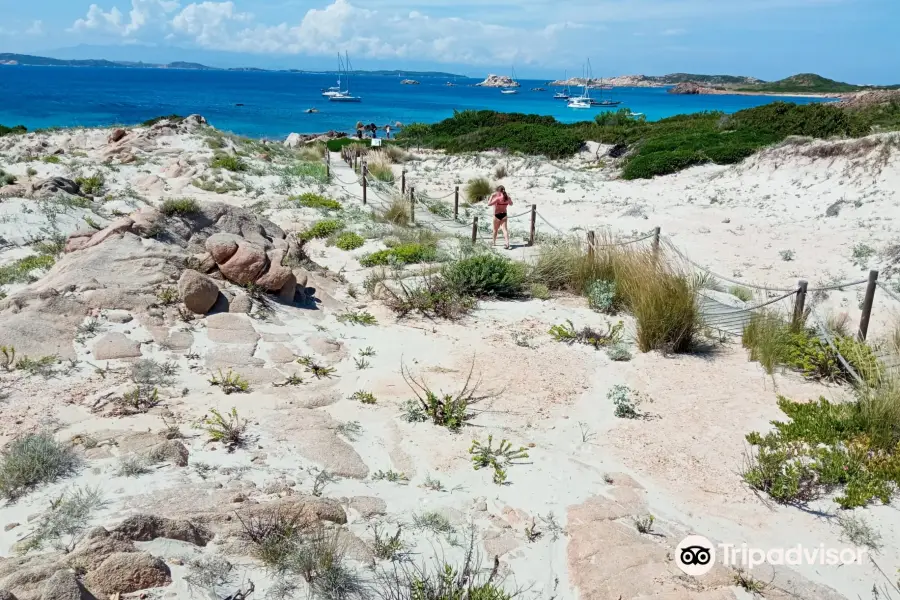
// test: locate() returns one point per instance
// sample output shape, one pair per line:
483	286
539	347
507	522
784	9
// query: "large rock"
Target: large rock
197	291
222	246
277	276
54	185
117	135
146	528
294	140
172	451
115	345
226	328
288	291
4	595
245	265
64	586
126	572
99	544
146	221
117	227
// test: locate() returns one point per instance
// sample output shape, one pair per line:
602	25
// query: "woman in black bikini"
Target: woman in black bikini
500	201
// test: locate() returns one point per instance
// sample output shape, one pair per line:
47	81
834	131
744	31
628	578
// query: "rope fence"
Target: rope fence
728	321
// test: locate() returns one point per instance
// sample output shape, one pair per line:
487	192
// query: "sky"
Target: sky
849	40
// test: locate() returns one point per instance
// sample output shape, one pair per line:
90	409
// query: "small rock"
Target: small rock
480	506
11	526
119	316
117	135
245	265
239	498
115	346
64	586
172	451
726	220
126	572
198	291
5	595
146	528
242	304
222	246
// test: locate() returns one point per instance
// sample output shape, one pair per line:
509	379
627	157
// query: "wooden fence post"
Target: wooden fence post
656	240
474	230
412	204
867	305
800	303
403	181
591	241
456	203
533	224
356	162
365	183
327	170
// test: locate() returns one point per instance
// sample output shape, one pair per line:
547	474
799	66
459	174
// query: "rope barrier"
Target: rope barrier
646	237
752	308
838	286
888	292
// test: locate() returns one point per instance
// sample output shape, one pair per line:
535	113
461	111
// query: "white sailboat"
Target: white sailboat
563	95
584	100
335	90
511	90
345	95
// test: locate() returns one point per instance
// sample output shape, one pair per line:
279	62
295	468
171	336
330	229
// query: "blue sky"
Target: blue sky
850	40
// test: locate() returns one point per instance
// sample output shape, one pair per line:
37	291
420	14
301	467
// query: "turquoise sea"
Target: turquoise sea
273	104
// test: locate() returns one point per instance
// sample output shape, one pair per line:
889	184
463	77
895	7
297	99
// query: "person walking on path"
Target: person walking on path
500	200
387	131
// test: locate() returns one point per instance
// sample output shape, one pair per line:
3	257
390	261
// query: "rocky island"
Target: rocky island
498	81
409	82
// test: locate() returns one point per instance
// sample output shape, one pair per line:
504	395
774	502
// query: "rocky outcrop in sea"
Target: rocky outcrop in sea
498	81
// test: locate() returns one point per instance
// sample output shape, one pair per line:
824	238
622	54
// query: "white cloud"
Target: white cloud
368	33
207	22
142	14
675	31
37	28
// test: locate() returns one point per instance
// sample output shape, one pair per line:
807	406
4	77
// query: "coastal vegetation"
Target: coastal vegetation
653	147
803	83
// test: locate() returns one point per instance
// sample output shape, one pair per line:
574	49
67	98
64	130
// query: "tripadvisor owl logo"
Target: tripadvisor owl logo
695	555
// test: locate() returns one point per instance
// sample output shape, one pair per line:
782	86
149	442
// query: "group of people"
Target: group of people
371	131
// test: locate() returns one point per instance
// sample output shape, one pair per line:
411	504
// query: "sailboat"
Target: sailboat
584	100
564	95
511	90
335	90
605	102
345	95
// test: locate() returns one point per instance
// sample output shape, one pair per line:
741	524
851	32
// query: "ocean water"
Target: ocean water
274	103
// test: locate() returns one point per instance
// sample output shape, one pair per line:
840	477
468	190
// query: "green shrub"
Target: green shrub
397	212
322	229
381	172
486	275
827	446
452	411
741	293
179	206
6	178
31	460
647	166
52	159
404	254
310	200
315	171
227	162
478	189
20	270
92	185
349	240
155	120
17	129
602	297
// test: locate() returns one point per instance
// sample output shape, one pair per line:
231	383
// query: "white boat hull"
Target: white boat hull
345	99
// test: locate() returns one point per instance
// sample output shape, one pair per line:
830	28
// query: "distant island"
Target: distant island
26	60
498	81
803	84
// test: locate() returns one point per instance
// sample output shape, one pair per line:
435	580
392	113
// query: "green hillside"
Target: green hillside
707	79
802	84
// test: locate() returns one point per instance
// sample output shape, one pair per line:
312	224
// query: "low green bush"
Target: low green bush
647	166
478	189
311	200
322	229
349	240
825	446
16	129
179	206
404	254
486	275
33	459
155	120
227	162
20	270
91	185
